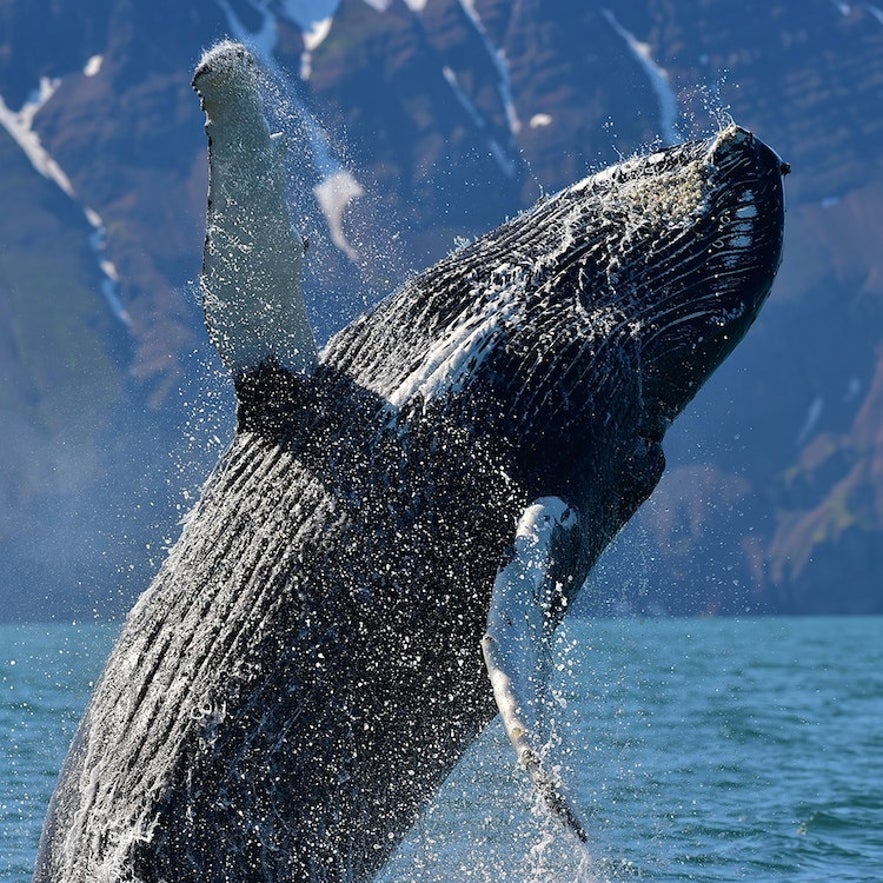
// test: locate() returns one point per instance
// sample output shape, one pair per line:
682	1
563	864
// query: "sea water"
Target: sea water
708	750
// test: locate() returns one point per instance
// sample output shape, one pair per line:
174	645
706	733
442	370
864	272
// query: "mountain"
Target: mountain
414	124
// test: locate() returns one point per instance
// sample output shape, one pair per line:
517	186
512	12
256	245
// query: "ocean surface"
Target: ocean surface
708	750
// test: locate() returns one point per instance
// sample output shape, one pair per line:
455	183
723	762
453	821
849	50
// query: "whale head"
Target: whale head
665	263
580	329
697	282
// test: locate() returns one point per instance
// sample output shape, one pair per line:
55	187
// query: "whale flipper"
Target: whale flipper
253	259
516	645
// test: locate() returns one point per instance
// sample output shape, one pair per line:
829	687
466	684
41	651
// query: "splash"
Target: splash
706	112
346	188
339	216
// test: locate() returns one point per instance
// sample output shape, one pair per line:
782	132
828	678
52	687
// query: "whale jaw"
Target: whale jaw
726	277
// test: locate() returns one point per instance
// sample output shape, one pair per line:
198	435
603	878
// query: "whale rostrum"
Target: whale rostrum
378	563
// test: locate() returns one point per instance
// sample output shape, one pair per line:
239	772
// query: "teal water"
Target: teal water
707	750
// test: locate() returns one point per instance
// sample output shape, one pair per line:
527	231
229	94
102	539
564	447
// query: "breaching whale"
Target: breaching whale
378	562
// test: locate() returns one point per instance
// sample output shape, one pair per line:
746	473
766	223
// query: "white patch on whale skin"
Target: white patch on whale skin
447	365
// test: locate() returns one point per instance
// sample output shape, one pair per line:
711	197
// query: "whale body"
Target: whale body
377	564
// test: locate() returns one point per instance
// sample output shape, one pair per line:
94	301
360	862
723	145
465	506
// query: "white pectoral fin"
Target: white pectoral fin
252	264
516	643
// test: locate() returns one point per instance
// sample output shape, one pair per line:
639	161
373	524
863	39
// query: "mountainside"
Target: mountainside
414	124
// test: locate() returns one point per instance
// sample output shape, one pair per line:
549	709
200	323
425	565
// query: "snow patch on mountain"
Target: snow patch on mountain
659	80
314	19
110	284
813	414
853	388
334	193
503	161
20	126
451	79
93	65
845	9
312	39
316	16
498	57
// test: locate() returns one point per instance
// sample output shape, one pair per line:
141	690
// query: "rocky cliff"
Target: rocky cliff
414	124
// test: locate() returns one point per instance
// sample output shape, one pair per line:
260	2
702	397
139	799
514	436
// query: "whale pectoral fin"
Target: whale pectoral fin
516	645
251	279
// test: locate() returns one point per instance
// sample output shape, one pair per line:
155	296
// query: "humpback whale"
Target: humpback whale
376	566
